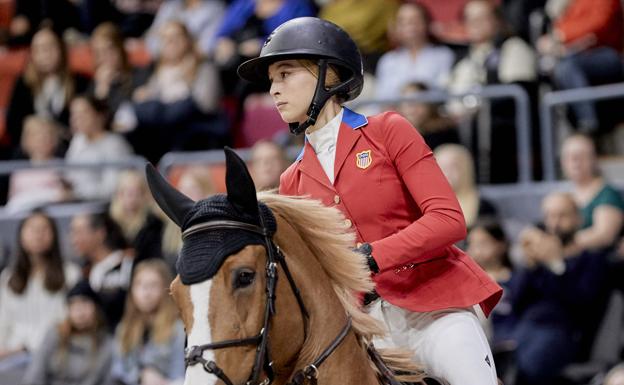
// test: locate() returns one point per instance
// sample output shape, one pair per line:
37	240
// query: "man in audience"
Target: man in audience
559	297
99	241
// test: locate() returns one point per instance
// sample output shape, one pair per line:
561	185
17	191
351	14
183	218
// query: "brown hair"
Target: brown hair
190	75
130	224
110	32
134	324
54	275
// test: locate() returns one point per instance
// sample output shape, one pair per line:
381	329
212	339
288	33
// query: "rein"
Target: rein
262	361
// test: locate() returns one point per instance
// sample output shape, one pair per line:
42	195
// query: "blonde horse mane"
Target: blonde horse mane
332	242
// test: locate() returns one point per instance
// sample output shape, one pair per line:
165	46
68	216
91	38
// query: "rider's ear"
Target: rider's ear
175	204
241	191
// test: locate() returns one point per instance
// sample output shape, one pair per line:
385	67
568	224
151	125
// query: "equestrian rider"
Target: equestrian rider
380	173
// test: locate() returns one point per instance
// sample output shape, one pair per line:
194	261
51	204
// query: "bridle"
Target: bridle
262	360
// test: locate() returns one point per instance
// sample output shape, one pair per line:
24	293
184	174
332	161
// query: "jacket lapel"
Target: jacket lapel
348	136
310	166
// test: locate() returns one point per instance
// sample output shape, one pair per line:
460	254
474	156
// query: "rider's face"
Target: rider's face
292	89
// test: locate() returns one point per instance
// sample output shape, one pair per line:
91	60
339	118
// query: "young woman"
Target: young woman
149	345
78	351
380	173
32	291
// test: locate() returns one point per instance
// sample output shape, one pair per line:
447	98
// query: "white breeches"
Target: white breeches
449	343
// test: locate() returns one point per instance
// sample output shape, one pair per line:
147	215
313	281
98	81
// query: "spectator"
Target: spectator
131	208
32	291
416	59
268	161
178	108
78	351
98	240
458	167
200	17
196	183
602	206
150	338
93	143
33	187
559	298
585	33
367	22
113	78
435	128
45	88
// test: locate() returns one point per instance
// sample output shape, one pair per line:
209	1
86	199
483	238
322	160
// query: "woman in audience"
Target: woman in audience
93	143
268	162
46	86
178	107
458	166
131	208
32	291
32	187
602	206
149	342
416	58
78	351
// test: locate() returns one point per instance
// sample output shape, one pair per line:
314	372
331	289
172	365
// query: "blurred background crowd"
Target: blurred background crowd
90	89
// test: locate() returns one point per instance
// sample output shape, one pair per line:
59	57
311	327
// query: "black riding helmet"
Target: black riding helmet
319	40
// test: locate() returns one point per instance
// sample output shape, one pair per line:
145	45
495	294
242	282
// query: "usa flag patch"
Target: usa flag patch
363	159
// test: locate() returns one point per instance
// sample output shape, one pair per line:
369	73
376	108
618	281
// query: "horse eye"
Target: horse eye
243	278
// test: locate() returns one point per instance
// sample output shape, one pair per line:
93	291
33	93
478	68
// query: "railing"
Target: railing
552	99
9	166
506	91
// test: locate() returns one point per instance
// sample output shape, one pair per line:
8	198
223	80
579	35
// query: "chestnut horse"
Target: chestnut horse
279	306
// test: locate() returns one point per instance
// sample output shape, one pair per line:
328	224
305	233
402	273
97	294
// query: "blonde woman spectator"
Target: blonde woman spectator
131	209
78	351
93	143
458	166
602	206
32	291
33	187
46	86
149	342
268	162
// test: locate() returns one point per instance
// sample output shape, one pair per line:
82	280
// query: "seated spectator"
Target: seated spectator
93	143
78	351
268	162
131	208
45	88
366	21
602	206
178	108
417	59
457	164
435	128
200	17
113	77
196	183
98	241
32	290
33	187
30	15
488	245
559	298
586	32
149	342
244	28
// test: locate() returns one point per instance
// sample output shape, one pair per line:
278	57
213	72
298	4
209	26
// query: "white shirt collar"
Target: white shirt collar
99	270
325	138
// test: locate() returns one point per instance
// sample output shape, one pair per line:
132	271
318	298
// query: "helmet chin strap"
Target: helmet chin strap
321	96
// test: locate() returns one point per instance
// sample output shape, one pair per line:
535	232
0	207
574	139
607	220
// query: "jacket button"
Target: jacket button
358	244
336	199
348	223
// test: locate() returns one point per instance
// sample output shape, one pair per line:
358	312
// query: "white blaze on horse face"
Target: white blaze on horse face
200	334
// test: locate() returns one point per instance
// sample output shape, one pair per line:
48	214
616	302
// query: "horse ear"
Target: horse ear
175	204
241	191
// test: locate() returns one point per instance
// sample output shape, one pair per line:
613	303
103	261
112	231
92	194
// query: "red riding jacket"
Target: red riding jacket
393	193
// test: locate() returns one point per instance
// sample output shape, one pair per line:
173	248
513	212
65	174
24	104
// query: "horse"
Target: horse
267	289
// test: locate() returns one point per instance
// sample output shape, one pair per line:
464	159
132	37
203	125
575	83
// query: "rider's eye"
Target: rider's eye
243	278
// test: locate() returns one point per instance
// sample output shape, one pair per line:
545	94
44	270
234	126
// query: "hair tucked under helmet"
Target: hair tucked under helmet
320	41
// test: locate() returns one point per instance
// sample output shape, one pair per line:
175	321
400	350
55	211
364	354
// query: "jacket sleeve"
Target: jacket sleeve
442	221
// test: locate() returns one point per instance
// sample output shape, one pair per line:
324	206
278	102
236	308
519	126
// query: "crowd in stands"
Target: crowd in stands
104	80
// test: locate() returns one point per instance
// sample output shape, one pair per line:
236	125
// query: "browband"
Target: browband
223	225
